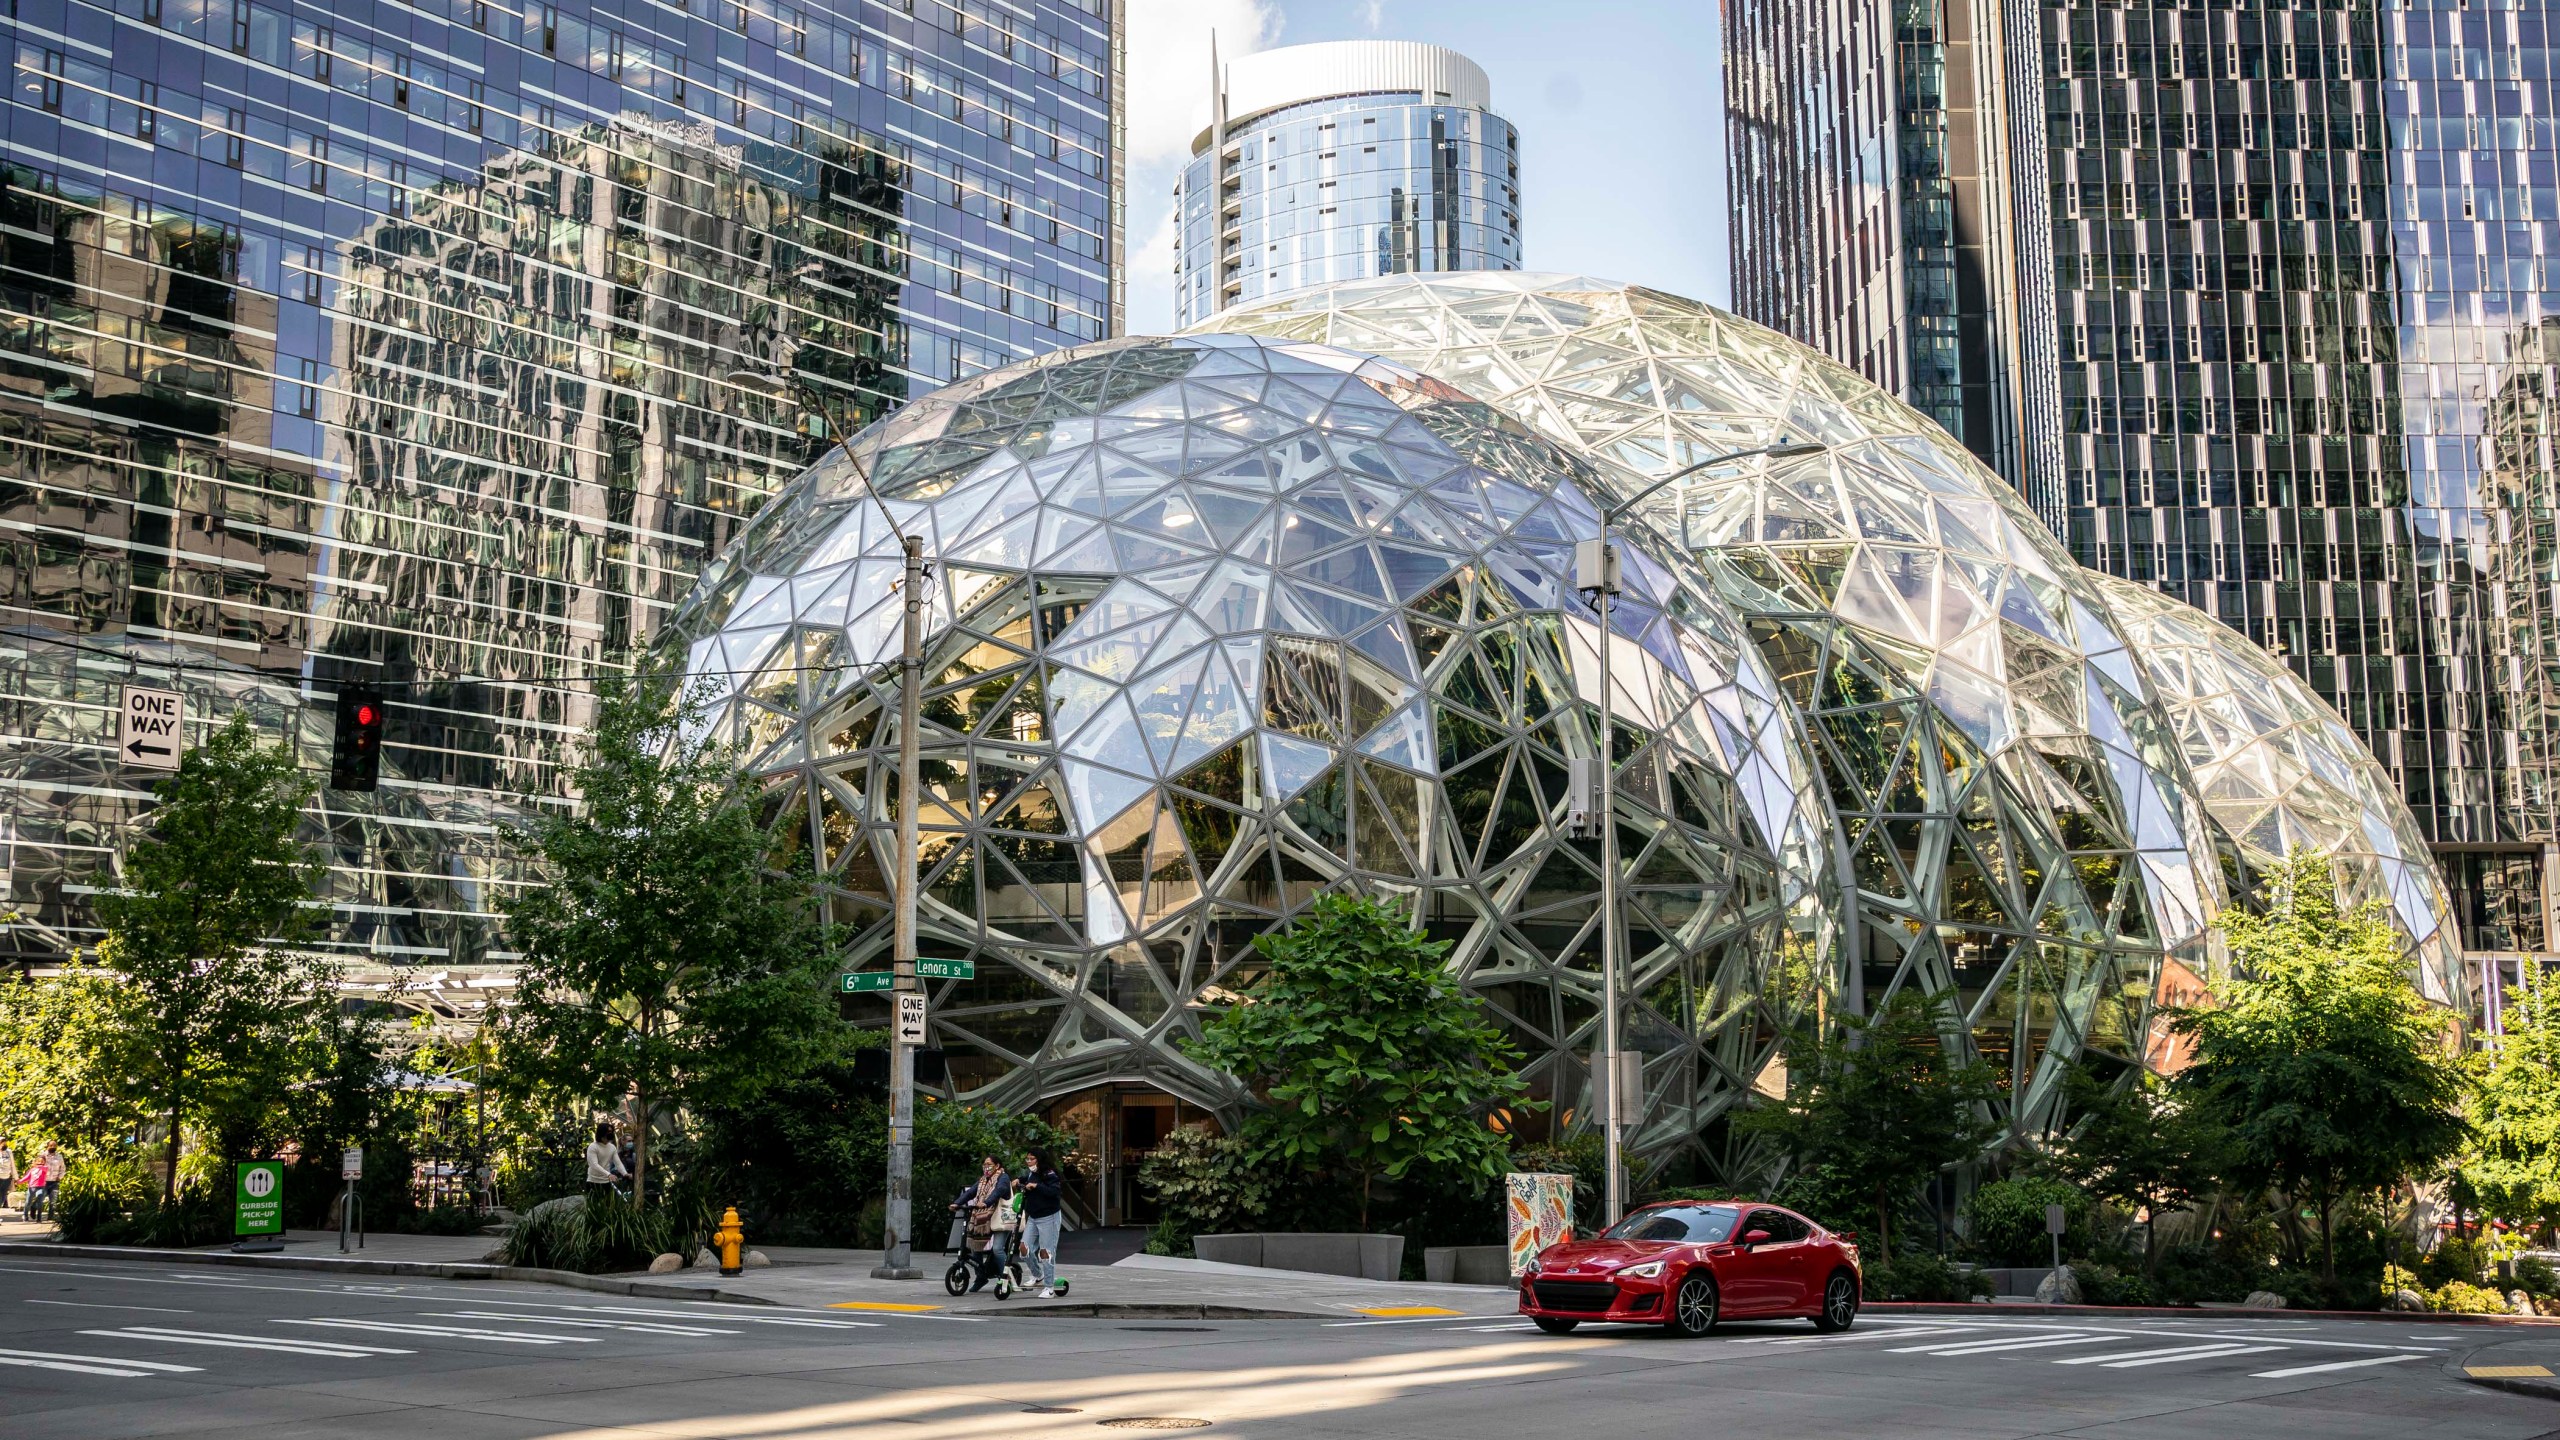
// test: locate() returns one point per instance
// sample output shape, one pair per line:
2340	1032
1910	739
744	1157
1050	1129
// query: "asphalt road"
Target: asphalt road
128	1349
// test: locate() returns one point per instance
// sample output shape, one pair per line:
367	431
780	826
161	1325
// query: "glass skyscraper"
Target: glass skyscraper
2283	274
436	347
1342	160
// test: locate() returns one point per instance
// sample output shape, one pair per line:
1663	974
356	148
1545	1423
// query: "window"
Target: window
306	400
1783	1228
1677	1224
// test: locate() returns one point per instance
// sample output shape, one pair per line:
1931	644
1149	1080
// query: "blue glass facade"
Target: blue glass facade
1342	187
437	346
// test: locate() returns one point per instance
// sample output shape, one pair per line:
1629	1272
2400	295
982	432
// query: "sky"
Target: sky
1619	104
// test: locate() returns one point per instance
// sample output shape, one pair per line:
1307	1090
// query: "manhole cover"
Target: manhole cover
1156	1422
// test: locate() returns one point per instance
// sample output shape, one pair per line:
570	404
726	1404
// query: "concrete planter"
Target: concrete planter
1467	1265
1363	1257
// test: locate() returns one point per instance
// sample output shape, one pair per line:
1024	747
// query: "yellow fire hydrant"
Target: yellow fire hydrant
731	1238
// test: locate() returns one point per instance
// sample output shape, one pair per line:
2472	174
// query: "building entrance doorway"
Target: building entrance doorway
1116	1127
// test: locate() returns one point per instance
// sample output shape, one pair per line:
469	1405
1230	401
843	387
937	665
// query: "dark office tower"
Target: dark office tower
432	348
2286	255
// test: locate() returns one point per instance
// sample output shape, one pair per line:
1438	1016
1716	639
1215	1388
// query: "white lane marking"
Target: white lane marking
2165	1332
2215	1353
452	1332
726	1314
287	1344
1480	1329
637	1327
1904	1333
2334	1365
1993	1347
92	1364
2115	1355
79	1305
1406	1320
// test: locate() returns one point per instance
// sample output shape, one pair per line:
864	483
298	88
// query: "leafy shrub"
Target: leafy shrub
2460	1297
2008	1217
621	1235
1206	1185
2535	1277
550	1236
2455	1258
1922	1276
2107	1285
95	1198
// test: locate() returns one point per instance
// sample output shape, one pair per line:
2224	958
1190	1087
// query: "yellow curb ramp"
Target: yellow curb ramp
1402	1312
889	1305
2508	1372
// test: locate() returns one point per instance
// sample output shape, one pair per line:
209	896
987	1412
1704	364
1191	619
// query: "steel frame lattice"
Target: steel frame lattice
1219	624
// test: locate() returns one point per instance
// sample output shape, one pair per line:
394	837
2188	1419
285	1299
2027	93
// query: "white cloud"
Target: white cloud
1169	67
1168	104
1373	14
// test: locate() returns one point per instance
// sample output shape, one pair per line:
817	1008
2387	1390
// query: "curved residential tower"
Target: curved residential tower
1340	161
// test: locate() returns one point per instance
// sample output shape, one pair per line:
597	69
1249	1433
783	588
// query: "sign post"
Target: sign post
2054	1221
257	1205
350	1208
151	732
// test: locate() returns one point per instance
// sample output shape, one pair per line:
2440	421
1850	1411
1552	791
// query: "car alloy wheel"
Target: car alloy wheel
1693	1306
1839	1304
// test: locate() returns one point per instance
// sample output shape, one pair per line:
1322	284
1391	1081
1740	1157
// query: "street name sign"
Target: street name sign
153	731
911	1019
859	982
258	1198
946	969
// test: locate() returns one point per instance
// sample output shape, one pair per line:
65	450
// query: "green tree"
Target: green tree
1373	1058
2329	1071
201	934
60	1074
2134	1145
2513	1162
1877	1106
665	963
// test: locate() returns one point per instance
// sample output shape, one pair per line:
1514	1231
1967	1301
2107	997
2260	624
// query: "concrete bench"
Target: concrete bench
1467	1265
1363	1257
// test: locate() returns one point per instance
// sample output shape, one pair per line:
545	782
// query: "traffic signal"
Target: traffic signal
355	758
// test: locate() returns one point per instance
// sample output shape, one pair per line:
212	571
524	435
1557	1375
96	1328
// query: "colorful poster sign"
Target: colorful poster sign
257	1198
1539	1211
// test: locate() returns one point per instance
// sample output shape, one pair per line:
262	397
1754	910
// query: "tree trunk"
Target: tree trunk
2150	1241
640	1151
2328	1252
1884	1230
169	1185
1364	1199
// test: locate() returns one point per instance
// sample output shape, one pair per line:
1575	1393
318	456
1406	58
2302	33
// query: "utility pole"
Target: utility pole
1596	573
897	1259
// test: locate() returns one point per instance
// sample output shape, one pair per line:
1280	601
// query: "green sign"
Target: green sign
860	982
258	1198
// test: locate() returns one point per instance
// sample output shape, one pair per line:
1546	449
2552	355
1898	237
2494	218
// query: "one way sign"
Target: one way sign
154	732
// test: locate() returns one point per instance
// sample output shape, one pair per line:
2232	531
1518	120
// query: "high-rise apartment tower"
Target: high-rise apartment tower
435	346
1335	161
2249	299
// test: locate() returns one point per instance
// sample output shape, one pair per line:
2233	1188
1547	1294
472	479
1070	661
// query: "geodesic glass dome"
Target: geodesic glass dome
2279	770
2015	808
1217	624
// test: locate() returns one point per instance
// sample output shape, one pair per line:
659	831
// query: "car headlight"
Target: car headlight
1645	1271
1529	1269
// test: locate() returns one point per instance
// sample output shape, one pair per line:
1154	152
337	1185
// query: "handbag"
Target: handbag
1006	1218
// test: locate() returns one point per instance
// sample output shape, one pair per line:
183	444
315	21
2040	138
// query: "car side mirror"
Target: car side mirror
1755	1237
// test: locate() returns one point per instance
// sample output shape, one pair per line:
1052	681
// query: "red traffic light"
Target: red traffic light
365	715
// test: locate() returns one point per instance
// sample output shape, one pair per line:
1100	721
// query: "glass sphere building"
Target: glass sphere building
1223	621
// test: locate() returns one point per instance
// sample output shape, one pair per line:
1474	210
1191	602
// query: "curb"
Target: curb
1134	1310
2195	1312
2534	1389
416	1269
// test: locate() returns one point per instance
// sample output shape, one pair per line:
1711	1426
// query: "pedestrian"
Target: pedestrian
8	1171
1004	1220
987	1254
43	1182
604	1163
1042	1191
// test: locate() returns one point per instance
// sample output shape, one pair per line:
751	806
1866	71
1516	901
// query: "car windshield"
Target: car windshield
1680	1224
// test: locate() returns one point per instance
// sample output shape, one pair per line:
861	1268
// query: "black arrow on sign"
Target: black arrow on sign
138	748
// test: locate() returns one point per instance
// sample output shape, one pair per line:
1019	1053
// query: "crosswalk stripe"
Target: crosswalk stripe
2214	1354
1776	1342
288	1344
814	1322
2173	1350
92	1364
1989	1347
510	1337
640	1327
2333	1365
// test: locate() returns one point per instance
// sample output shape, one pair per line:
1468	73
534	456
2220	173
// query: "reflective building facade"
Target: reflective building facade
1341	160
439	346
2286	252
1218	625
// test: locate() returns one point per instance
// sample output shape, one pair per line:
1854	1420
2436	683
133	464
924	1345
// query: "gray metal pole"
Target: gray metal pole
897	1259
1614	1205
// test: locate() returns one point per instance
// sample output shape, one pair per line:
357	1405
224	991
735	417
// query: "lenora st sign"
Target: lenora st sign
857	982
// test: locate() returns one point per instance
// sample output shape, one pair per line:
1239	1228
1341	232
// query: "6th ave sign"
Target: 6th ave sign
858	982
152	733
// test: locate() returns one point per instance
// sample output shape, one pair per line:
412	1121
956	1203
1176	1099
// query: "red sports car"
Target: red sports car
1686	1264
